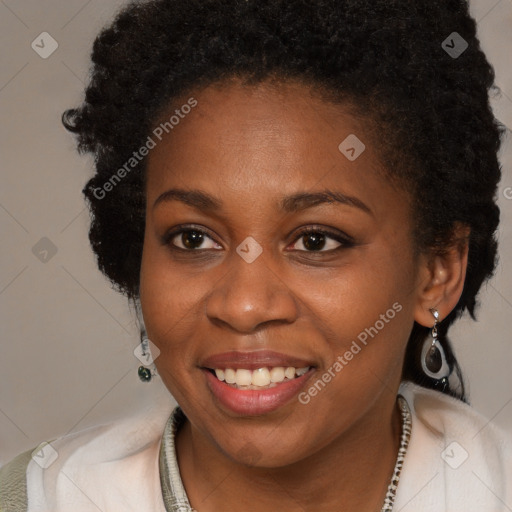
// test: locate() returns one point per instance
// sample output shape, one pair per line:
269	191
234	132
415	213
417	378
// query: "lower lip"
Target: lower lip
252	402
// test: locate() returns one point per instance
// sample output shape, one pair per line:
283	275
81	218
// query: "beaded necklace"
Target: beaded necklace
389	500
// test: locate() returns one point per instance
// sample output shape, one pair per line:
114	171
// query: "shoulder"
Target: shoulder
108	467
448	415
13	484
456	456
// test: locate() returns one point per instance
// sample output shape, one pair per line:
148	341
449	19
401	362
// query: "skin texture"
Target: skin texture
248	147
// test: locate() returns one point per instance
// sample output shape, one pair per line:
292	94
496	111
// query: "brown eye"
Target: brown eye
314	240
191	239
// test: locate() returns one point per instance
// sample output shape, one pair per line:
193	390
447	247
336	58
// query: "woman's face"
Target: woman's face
227	274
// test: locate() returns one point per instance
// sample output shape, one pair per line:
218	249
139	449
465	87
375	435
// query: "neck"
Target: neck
350	473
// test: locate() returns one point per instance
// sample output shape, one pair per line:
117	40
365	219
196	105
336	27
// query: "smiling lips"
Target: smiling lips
254	383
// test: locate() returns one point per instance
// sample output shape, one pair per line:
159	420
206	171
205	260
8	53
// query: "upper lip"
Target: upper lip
252	360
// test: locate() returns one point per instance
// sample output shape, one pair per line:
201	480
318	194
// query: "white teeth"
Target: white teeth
301	371
277	374
259	378
243	377
230	376
289	373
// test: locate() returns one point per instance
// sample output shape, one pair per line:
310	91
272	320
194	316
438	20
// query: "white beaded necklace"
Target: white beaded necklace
389	500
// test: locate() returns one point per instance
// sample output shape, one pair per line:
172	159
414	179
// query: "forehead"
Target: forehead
259	141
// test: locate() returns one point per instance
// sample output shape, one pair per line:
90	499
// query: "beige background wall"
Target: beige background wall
67	339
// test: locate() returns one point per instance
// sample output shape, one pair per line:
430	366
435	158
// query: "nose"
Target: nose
250	296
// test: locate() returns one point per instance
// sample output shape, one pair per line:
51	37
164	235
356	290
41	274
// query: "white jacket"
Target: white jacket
456	462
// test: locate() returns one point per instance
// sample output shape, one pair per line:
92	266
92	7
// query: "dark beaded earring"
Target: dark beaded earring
144	374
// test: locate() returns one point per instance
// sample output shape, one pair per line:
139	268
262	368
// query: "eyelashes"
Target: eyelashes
198	236
314	240
343	240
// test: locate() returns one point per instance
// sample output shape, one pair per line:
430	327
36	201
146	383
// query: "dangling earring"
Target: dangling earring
433	358
143	351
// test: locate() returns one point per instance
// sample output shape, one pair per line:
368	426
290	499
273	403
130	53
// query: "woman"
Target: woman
299	198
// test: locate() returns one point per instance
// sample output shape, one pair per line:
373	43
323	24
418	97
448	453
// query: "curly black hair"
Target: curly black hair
435	129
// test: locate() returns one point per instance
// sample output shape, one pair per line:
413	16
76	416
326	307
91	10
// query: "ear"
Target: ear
441	278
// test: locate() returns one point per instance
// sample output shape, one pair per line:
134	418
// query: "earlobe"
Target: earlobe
441	279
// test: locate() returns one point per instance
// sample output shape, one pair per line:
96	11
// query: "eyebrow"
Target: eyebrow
289	204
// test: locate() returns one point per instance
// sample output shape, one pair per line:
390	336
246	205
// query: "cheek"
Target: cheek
170	301
168	297
357	294
367	313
